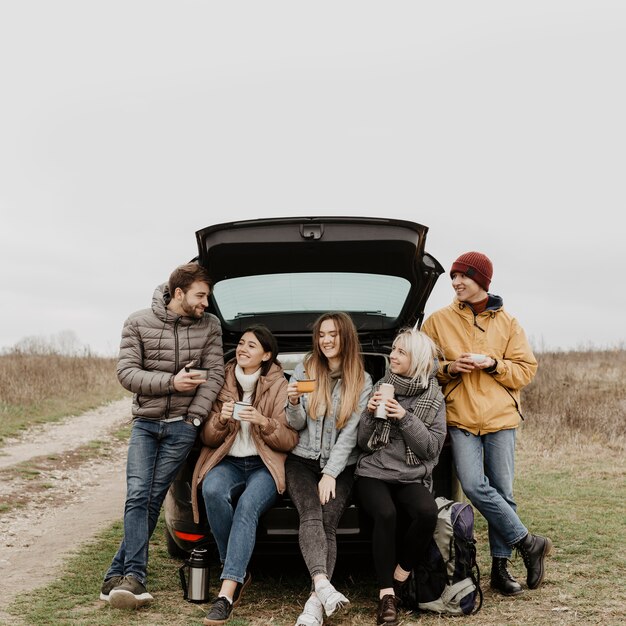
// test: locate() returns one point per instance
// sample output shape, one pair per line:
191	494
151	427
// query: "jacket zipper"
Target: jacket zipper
169	397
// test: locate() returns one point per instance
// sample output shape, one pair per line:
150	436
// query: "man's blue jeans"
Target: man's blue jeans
237	491
156	451
485	466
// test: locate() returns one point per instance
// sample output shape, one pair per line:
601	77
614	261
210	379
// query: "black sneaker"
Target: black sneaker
219	613
247	579
129	594
108	585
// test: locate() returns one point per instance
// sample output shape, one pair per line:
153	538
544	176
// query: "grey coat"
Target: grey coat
156	344
388	463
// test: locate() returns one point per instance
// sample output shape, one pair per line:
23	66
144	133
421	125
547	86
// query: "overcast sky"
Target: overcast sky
127	126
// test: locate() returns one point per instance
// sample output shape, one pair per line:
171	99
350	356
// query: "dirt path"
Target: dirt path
34	539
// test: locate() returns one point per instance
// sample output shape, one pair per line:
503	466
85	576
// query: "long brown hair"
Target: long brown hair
352	371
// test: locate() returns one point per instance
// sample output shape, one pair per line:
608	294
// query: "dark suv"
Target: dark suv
284	273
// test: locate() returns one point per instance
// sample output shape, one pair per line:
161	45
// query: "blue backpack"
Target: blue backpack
449	580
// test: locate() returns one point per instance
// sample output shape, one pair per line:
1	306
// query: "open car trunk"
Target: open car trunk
285	272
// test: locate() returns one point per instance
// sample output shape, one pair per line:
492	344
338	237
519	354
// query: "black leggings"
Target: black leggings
318	523
384	502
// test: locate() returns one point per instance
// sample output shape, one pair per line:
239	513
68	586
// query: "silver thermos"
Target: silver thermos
196	583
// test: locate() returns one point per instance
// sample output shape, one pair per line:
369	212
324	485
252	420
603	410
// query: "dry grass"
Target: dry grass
578	398
36	388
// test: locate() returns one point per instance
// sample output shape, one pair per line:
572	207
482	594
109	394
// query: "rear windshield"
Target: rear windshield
311	291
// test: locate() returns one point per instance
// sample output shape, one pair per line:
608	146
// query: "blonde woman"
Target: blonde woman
394	473
320	469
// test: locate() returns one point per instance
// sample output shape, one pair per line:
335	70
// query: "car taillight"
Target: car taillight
188	536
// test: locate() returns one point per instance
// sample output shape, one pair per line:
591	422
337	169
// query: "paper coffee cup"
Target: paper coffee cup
238	407
306	386
387	392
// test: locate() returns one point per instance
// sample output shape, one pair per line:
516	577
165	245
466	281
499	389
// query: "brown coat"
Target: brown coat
272	441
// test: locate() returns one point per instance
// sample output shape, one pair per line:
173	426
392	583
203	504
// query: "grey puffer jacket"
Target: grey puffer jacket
156	344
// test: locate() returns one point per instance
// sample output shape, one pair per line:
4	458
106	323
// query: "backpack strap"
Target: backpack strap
461	588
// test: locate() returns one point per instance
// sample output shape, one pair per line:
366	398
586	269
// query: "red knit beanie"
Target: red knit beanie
475	265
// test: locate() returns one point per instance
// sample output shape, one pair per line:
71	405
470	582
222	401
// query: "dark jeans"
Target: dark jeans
318	523
384	502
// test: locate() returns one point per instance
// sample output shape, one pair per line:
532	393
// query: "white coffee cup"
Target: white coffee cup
386	391
239	406
478	358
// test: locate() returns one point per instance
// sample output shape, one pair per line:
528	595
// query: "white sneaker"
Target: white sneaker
331	599
312	614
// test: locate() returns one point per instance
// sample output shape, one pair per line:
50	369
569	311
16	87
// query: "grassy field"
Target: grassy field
571	485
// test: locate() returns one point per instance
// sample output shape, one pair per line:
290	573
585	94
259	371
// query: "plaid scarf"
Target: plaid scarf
428	400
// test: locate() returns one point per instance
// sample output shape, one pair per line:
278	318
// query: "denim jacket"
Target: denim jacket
320	439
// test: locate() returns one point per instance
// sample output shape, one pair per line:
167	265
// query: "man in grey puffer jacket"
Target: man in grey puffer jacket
169	403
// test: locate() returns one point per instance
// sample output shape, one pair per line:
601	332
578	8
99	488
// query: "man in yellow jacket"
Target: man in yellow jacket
486	362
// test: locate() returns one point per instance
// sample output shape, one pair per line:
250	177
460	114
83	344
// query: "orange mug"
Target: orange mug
306	386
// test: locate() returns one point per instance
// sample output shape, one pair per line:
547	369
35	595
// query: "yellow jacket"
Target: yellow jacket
482	402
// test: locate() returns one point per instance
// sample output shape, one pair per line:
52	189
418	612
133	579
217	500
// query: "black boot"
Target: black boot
534	550
501	579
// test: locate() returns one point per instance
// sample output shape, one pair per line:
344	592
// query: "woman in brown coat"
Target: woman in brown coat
242	466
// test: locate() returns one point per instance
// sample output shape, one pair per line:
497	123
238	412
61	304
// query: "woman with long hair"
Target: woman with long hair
241	466
394	472
320	469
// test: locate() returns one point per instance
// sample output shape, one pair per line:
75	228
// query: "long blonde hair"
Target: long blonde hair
352	370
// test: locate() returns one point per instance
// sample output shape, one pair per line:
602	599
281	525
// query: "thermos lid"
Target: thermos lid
199	557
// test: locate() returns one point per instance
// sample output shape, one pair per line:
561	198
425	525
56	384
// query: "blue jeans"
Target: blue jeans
156	451
237	491
485	465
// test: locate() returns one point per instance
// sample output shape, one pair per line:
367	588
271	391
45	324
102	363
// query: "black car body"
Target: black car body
284	273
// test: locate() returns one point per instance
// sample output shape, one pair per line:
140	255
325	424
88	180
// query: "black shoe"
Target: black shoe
501	579
247	579
387	613
534	550
219	613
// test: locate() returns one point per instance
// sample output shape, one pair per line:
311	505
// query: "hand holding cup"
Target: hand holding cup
296	388
386	392
185	380
227	411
